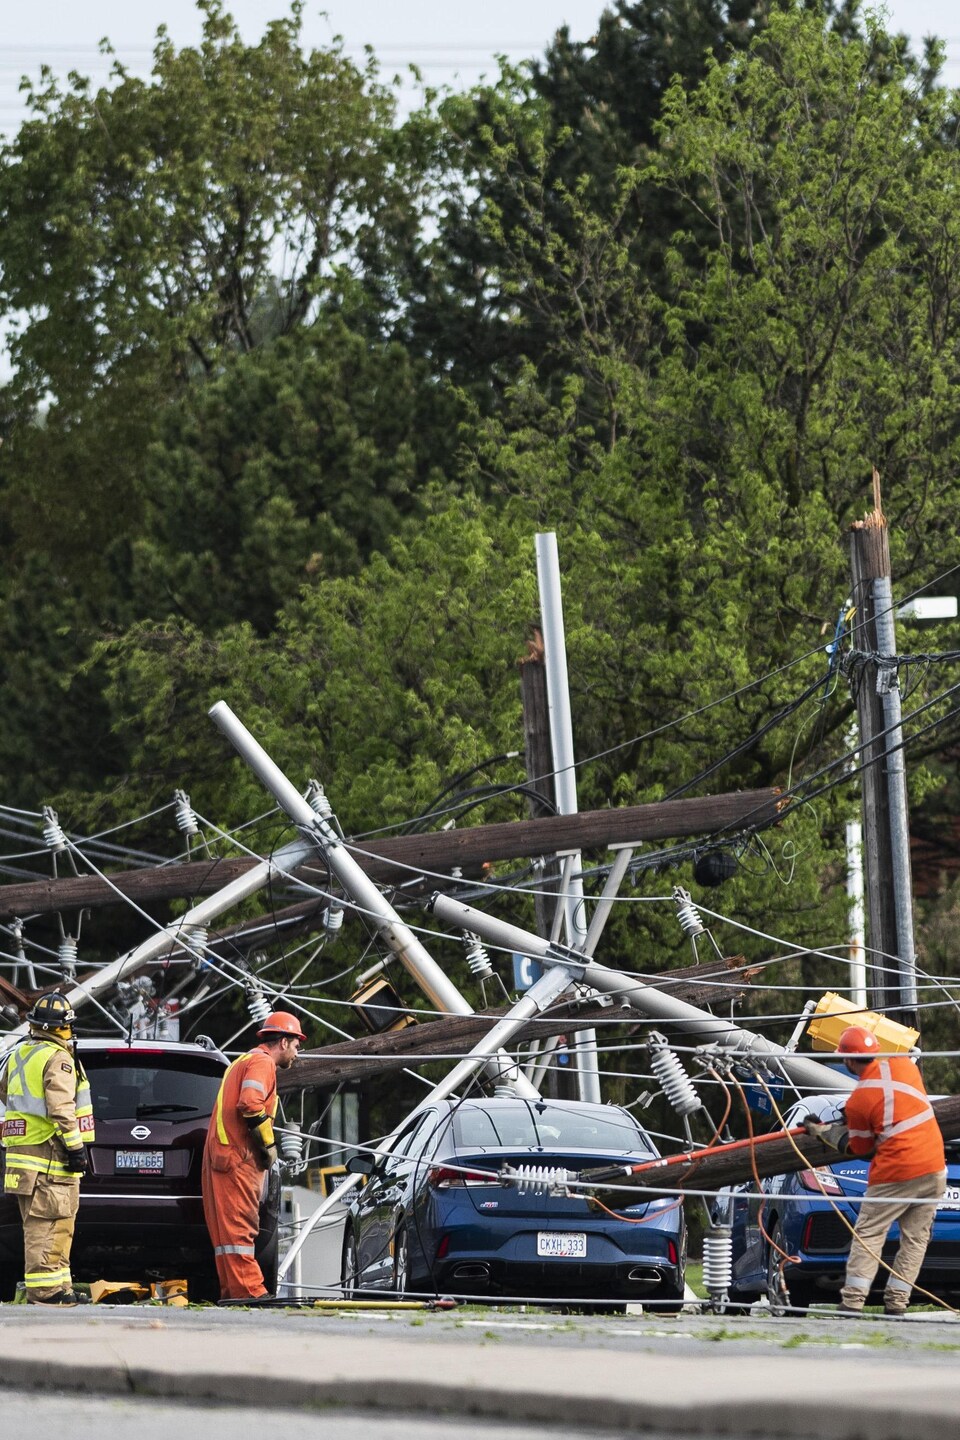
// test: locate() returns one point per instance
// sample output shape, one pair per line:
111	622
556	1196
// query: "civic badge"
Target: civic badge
140	1132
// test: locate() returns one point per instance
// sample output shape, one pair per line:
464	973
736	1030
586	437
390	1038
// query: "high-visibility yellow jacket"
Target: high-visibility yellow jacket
889	1113
47	1108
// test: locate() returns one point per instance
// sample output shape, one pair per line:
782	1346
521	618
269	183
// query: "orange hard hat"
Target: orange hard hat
281	1022
855	1040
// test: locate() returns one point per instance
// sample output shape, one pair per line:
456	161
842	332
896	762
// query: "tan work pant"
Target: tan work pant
48	1214
916	1222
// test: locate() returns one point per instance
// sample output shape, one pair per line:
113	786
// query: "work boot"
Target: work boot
843	1309
896	1312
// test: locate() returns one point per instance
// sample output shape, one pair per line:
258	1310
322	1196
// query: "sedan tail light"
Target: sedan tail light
822	1182
445	1177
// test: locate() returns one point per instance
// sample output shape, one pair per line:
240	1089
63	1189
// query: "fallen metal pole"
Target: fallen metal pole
413	956
537	998
628	991
175	935
453	1036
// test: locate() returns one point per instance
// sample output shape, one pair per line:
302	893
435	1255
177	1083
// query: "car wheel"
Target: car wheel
8	1283
348	1266
781	1292
401	1263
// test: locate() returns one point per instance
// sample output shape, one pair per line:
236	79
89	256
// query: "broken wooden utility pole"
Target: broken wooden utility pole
539	766
185	934
394	860
886	828
745	1160
349	1061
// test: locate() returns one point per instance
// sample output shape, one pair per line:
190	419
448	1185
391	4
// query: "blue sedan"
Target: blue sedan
436	1214
804	1213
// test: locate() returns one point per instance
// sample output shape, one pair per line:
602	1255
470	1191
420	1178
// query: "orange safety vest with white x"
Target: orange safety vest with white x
889	1111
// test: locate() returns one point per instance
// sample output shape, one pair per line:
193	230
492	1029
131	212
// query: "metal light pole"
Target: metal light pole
565	775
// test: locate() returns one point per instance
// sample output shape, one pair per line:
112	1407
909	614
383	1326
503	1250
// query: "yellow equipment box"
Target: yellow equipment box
833	1015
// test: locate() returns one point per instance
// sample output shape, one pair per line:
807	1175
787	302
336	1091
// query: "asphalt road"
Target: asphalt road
88	1417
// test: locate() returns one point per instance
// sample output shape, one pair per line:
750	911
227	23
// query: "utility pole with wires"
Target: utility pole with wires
886	829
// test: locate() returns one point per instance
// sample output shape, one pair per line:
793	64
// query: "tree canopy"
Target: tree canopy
672	302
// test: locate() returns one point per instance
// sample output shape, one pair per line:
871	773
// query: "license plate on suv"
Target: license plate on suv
561	1246
148	1162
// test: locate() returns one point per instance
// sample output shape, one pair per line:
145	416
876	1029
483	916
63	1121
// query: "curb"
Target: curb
750	1416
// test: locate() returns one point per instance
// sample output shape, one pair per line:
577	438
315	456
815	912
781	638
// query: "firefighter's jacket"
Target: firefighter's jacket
47	1110
889	1112
248	1088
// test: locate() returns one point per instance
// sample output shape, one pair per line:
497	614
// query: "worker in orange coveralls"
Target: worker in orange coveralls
239	1151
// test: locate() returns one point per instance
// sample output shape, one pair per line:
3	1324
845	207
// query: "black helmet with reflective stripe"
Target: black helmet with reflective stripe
52	1012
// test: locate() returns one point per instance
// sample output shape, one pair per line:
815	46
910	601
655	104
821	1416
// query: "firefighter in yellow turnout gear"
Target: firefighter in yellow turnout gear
48	1121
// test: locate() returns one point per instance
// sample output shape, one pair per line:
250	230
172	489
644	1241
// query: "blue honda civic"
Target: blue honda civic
473	1200
810	1213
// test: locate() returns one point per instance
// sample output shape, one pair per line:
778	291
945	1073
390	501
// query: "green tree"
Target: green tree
299	459
173	252
150	218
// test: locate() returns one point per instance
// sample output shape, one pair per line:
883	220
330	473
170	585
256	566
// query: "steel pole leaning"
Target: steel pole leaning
349	1182
630	992
174	935
413	956
542	993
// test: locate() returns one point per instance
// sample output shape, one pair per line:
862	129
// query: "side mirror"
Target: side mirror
360	1164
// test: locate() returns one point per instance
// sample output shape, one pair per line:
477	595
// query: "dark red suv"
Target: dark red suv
141	1212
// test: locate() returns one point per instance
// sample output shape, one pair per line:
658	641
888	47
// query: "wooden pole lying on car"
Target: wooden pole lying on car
373	1055
745	1160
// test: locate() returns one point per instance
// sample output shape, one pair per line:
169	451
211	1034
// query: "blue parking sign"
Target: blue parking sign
525	971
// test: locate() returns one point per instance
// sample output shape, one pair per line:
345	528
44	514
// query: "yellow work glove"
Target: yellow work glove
264	1142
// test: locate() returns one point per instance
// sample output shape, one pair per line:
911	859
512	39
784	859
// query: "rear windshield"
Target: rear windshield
124	1087
548	1127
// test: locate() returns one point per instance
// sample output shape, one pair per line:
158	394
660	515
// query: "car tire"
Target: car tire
799	1292
401	1263
348	1266
8	1283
